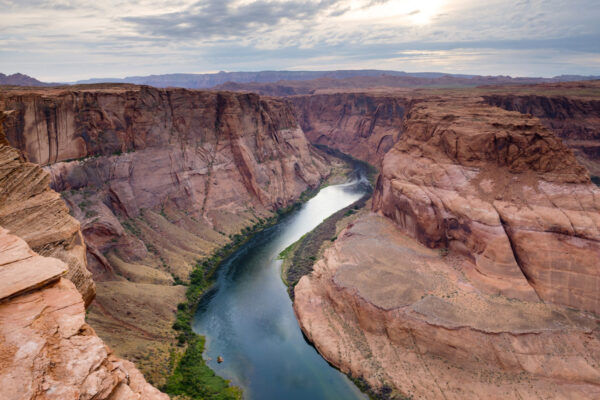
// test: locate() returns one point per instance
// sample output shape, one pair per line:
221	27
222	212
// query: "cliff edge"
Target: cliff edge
46	348
476	274
159	179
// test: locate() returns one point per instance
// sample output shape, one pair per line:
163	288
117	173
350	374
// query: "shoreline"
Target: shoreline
316	242
299	257
190	376
327	230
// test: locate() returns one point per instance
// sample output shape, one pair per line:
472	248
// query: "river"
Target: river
248	317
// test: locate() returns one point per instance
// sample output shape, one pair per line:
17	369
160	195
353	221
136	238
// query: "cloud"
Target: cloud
72	39
40	4
223	18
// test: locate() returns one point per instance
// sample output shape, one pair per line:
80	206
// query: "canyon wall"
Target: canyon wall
35	213
476	274
48	350
502	189
159	178
364	125
575	119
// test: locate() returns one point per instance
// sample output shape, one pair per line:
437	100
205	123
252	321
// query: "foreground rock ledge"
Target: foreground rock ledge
47	351
37	214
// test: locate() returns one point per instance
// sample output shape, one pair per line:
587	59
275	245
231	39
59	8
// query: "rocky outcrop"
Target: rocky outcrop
34	212
48	351
410	322
502	189
364	125
567	110
46	348
479	276
159	178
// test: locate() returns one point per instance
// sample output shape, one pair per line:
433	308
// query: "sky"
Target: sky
68	40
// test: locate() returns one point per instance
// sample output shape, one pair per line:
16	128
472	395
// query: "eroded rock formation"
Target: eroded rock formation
34	212
479	275
364	125
158	179
46	348
567	109
502	189
48	351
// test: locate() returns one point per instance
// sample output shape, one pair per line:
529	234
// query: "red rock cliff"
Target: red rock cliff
158	179
478	276
140	147
364	125
48	351
34	212
568	112
502	188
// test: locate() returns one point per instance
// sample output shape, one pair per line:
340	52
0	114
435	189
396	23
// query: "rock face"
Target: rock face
507	304
158	179
502	189
410	322
567	111
47	350
206	153
365	125
34	212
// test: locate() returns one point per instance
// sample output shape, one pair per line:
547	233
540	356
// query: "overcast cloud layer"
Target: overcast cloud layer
66	40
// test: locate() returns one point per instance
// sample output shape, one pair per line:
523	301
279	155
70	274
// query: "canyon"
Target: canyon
567	109
285	82
47	349
473	272
365	125
158	180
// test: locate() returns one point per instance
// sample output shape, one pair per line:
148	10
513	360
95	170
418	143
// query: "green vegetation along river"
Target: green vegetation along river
248	317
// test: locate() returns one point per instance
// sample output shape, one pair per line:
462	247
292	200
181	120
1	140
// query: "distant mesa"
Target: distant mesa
285	83
301	82
21	80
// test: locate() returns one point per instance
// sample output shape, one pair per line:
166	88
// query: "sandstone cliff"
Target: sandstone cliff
34	212
364	125
47	350
478	276
159	179
567	109
502	189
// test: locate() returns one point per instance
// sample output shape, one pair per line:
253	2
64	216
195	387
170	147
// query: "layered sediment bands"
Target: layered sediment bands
223	158
47	350
502	189
365	125
34	212
478	276
576	120
163	178
410	322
